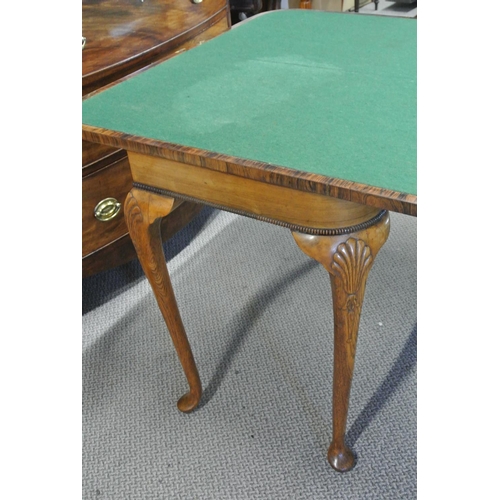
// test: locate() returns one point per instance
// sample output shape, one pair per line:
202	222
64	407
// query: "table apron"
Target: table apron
280	204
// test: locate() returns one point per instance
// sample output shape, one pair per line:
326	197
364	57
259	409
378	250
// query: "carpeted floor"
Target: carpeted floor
259	317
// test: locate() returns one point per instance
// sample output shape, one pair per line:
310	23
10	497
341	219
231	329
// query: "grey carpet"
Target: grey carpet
259	317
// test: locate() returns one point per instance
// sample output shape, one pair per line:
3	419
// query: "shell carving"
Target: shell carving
351	262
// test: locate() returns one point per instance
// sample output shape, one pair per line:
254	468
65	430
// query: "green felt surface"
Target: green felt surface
326	93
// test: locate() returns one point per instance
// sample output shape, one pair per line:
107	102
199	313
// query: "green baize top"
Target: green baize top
320	92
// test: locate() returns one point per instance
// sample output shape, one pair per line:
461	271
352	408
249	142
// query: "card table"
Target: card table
300	118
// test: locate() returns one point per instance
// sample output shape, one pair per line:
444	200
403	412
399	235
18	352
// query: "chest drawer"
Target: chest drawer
111	182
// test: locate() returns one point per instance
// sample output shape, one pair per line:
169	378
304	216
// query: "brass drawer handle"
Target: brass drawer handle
107	209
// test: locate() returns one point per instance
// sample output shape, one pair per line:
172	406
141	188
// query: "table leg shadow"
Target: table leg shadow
249	315
400	370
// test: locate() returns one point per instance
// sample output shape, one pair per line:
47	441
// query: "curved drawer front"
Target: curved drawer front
114	182
121	35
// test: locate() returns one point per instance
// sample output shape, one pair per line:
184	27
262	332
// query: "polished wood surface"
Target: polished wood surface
115	179
248	196
144	212
124	37
348	259
96	156
121	250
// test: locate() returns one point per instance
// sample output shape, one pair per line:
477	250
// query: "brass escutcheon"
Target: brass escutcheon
107	209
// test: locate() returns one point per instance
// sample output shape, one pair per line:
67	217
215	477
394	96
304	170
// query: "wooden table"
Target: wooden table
326	147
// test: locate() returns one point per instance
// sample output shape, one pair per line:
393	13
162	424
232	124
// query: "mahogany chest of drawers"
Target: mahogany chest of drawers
121	37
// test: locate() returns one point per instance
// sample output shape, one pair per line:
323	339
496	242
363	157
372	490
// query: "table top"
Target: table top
324	101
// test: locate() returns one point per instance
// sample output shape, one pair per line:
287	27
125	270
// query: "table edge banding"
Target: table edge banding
364	194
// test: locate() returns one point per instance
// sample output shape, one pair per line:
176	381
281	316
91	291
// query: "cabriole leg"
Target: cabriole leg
143	213
348	258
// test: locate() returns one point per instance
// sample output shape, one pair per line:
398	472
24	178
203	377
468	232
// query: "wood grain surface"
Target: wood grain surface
122	37
348	260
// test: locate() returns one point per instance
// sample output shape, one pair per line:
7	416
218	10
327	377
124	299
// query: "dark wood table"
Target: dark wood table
326	148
